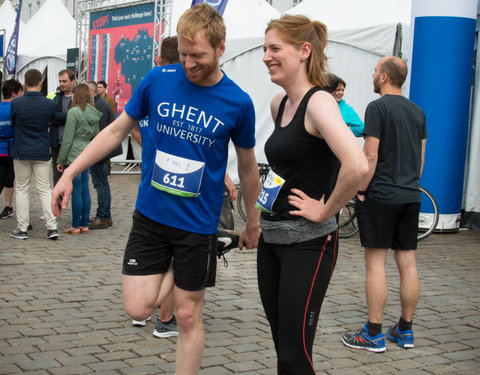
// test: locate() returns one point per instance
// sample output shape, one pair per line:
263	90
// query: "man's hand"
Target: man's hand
249	237
361	197
232	189
61	194
309	208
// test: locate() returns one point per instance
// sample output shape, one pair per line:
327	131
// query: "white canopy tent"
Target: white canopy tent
43	43
359	34
7	21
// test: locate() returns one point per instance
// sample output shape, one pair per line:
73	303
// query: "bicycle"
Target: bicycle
347	220
427	221
263	169
347	217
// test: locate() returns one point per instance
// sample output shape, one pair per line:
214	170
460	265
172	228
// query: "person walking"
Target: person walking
388	204
103	216
80	128
298	247
195	110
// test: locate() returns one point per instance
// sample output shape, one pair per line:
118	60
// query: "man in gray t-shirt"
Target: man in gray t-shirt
388	204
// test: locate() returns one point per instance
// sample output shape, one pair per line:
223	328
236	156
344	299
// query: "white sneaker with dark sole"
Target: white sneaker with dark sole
140	323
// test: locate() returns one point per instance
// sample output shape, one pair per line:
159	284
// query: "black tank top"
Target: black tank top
303	160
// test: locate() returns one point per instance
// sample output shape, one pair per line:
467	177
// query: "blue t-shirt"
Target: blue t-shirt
188	125
6	129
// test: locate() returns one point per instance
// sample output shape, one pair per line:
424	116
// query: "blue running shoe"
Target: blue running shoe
404	339
362	340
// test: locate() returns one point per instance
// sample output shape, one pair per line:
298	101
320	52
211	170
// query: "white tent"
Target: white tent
43	43
359	33
7	21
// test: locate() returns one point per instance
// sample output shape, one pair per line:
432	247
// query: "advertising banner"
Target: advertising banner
219	5
121	48
11	56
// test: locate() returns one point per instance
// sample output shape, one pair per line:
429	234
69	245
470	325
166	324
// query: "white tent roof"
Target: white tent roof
7	20
243	18
368	24
245	21
41	38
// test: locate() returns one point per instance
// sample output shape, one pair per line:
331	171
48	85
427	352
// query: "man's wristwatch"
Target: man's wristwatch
362	192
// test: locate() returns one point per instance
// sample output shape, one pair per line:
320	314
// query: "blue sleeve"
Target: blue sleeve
244	134
137	106
352	119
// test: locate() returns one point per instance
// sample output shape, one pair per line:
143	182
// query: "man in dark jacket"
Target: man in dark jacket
31	115
62	99
103	218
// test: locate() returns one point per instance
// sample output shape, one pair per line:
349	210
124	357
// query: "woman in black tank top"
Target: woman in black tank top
297	250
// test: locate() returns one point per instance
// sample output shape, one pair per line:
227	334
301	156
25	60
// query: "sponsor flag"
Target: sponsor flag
219	5
11	56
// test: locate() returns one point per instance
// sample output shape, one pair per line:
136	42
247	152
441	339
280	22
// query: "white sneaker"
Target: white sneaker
141	323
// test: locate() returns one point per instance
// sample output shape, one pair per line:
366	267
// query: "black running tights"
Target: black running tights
293	280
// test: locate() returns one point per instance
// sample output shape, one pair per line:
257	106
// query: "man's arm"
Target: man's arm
250	183
232	190
102	145
136	134
424	144
370	149
59	119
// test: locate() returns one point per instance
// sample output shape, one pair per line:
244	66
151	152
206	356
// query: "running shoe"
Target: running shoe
141	323
18	234
404	339
6	213
164	330
362	340
227	240
52	234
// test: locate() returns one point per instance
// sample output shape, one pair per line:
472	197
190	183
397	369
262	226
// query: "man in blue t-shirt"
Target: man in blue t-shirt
194	110
10	90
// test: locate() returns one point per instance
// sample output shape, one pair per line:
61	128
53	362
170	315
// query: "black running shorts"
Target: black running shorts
151	247
388	226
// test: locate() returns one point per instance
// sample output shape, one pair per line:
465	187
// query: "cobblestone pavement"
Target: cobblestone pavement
61	310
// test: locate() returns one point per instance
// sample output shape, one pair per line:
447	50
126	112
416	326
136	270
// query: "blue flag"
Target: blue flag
219	5
11	56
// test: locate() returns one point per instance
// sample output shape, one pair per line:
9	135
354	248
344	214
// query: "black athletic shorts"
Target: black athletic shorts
151	247
388	226
7	173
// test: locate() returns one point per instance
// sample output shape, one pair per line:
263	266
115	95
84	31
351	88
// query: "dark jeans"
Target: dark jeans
81	202
56	174
100	183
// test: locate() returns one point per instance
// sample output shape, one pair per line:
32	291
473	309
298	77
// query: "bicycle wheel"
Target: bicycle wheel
428	218
240	206
347	220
